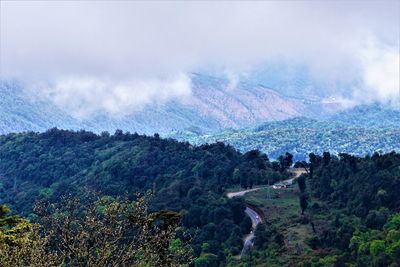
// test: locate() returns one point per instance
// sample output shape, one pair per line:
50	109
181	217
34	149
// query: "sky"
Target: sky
119	56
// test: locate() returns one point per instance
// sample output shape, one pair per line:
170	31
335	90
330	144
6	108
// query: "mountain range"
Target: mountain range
247	115
214	105
361	130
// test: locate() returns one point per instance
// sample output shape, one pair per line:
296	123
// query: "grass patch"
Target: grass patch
282	210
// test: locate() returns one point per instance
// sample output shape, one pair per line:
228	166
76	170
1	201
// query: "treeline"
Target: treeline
360	198
187	179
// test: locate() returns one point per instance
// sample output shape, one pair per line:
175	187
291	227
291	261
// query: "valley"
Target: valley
264	225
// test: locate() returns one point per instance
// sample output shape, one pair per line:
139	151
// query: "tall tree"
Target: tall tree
313	163
301	181
303	202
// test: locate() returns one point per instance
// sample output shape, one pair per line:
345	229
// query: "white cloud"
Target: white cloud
84	96
380	67
128	44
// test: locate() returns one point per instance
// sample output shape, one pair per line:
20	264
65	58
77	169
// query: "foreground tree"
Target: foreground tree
21	244
107	232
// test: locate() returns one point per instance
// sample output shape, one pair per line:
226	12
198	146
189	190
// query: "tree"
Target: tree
250	181
301	181
285	161
303	202
206	260
20	243
245	226
326	158
235	241
376	218
13	229
262	237
289	159
376	247
313	163
104	232
244	179
236	176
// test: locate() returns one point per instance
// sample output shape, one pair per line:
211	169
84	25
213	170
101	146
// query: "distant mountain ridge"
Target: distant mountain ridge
361	130
20	111
369	116
213	106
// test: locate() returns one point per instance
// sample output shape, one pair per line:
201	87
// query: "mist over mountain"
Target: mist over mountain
212	106
22	111
199	133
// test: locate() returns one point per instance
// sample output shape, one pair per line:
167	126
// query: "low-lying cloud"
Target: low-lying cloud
120	56
381	74
84	96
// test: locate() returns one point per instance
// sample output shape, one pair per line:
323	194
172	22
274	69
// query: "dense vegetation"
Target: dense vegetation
364	203
344	211
351	215
186	179
104	232
301	136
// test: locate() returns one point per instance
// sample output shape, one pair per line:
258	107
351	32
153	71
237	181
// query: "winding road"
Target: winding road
248	240
255	220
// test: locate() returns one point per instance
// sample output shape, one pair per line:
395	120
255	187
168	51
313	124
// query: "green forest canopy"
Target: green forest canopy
191	180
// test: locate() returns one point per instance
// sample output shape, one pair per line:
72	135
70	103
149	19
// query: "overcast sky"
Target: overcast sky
99	52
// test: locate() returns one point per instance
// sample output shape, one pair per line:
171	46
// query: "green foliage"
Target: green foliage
362	185
354	220
367	188
355	214
185	179
376	247
246	225
328	261
299	136
20	243
14	230
206	260
124	233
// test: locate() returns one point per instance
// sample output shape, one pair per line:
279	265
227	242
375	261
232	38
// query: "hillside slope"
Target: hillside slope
22	111
213	106
186	179
362	130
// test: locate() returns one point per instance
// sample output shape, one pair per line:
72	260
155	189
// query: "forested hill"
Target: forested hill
350	215
350	204
363	206
187	179
359	131
58	161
